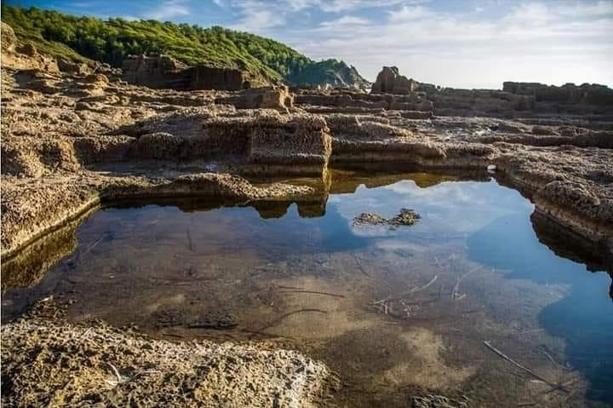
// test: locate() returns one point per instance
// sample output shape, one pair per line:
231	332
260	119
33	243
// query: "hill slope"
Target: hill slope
112	40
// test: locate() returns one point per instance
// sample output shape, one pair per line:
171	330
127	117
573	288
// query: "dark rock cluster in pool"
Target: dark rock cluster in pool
406	217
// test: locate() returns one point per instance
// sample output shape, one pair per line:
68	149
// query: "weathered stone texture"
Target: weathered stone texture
166	72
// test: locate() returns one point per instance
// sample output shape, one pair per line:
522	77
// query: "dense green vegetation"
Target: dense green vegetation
113	39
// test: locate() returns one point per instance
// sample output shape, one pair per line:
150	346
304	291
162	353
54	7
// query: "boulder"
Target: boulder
8	38
71	67
22	56
271	97
389	80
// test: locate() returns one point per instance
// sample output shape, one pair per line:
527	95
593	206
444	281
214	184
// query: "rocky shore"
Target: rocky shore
75	139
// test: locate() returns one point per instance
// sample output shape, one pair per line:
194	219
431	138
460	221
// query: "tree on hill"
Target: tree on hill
112	40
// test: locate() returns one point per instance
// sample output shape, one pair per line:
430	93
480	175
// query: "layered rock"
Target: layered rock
390	81
20	55
165	72
415	105
272	97
210	374
263	142
592	94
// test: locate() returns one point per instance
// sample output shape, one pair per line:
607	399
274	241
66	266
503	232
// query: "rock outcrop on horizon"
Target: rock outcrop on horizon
390	81
416	100
586	94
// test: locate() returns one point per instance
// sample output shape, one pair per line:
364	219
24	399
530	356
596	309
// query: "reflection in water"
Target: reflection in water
30	265
390	310
583	317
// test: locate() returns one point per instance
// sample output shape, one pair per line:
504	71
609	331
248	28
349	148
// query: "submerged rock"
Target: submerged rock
405	217
368	219
436	401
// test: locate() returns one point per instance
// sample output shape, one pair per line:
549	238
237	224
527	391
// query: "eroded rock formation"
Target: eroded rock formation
589	94
165	72
390	81
271	97
73	139
218	374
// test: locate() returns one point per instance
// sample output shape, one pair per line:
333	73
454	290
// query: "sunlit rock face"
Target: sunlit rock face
165	72
389	80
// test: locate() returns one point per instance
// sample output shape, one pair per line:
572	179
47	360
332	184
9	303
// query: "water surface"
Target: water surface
394	311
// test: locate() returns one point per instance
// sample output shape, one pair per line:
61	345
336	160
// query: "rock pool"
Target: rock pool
394	311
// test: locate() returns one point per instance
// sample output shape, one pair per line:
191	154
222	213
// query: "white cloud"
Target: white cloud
476	43
337	6
601	8
407	13
344	5
258	16
547	42
345	21
169	9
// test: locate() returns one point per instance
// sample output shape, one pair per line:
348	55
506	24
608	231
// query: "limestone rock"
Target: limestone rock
567	94
163	71
389	80
272	97
18	55
8	37
73	67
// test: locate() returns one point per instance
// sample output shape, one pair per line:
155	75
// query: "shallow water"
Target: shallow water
394	311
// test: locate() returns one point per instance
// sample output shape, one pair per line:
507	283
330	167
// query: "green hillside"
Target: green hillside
112	40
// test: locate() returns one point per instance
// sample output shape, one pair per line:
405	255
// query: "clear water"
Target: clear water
472	269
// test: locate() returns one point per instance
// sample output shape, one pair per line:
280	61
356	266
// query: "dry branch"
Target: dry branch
524	368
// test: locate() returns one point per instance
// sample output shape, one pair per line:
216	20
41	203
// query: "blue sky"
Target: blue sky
462	43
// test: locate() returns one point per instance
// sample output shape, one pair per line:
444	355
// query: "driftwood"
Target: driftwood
315	292
294	289
456	288
524	368
360	267
407	293
120	378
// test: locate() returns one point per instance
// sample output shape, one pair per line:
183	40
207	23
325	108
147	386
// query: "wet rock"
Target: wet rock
210	321
405	217
369	219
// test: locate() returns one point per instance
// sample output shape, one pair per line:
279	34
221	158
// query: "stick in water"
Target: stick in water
526	369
